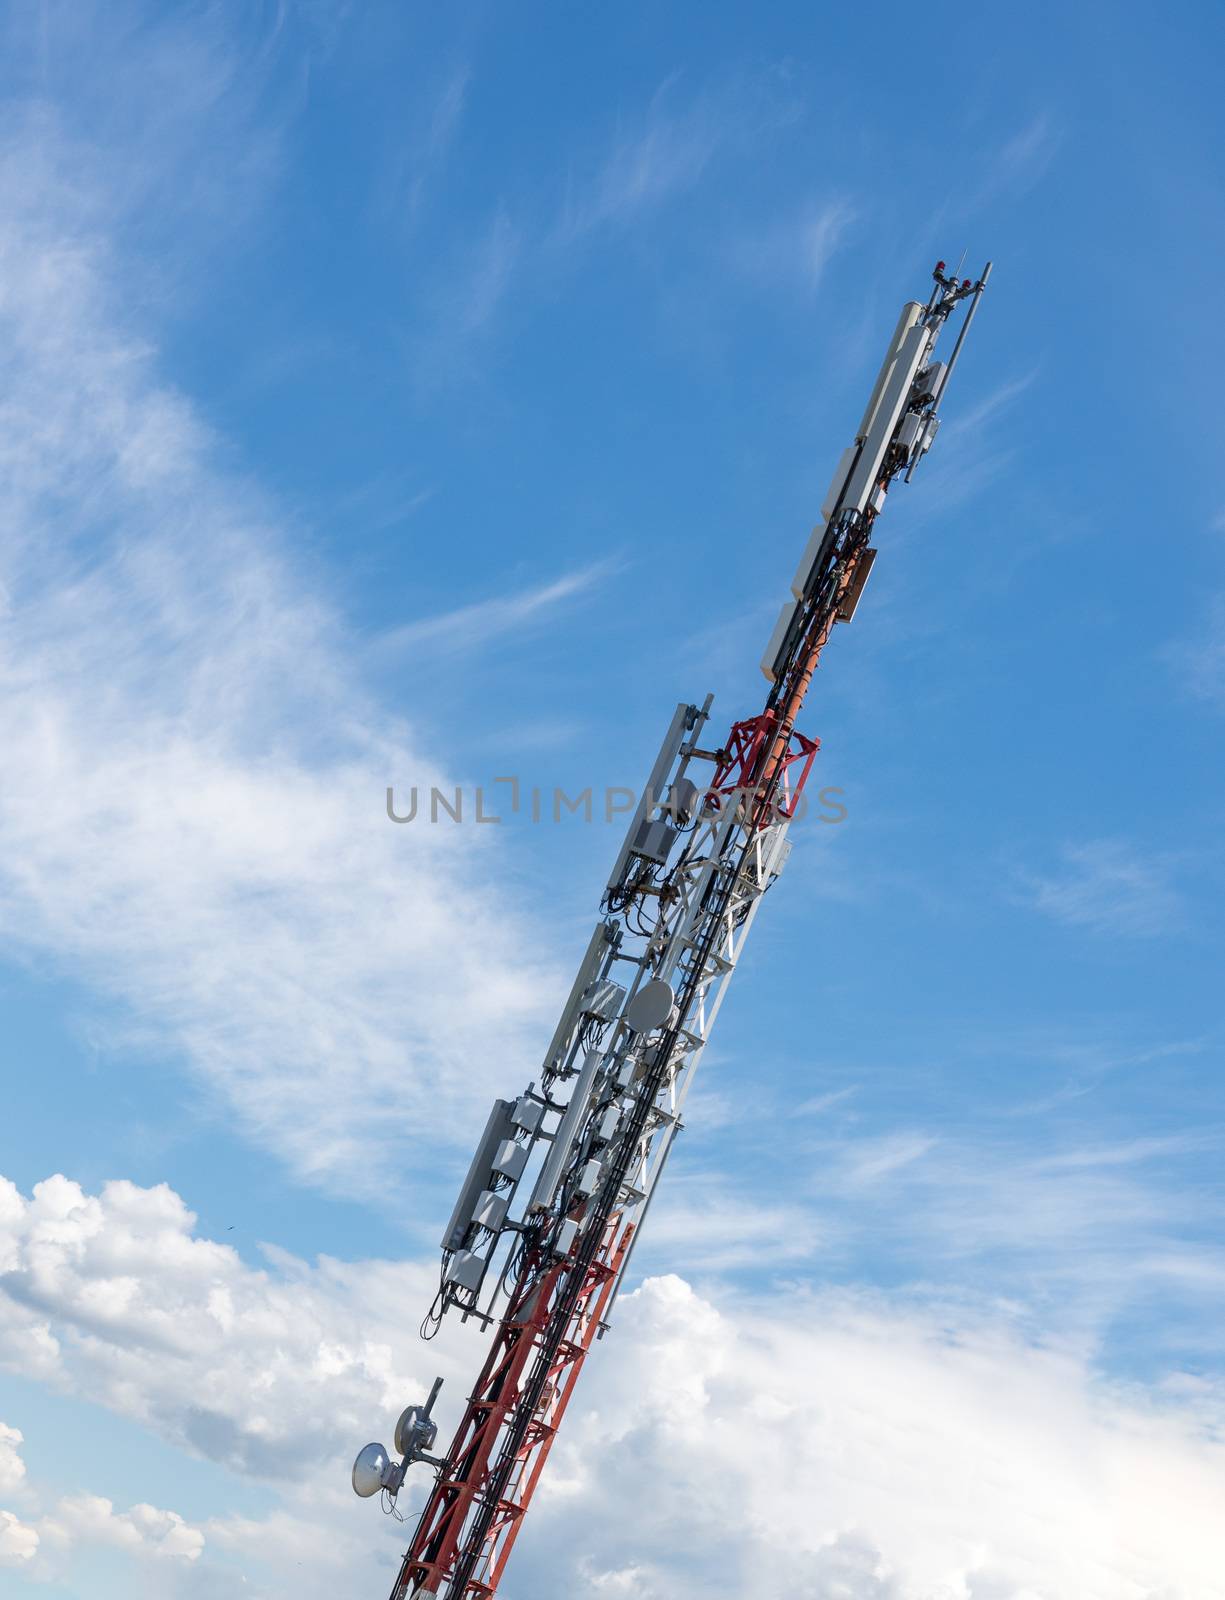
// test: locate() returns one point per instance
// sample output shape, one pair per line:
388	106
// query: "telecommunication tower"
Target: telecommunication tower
578	1155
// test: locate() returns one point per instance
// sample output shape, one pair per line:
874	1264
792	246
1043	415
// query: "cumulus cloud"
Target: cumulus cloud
817	1444
120	1300
846	1446
18	1541
12	1467
91	1519
278	1373
86	1520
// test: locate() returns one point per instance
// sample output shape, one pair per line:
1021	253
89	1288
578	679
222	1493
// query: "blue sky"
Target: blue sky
390	396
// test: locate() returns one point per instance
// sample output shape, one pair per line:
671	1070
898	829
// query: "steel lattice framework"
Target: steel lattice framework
708	839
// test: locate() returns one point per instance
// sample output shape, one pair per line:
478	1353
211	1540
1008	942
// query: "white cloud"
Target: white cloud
842	1447
1021	161
972	454
1107	886
279	1373
475	626
1200	658
12	1467
1097	1235
820	235
426	154
192	819
18	1540
651	158
475	293
661	153
706	1222
821	1103
81	1519
244	1366
797	249
654	157
166	119
91	1520
1026	156
824	1444
870	1160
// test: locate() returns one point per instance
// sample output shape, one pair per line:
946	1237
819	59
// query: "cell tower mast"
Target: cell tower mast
587	1144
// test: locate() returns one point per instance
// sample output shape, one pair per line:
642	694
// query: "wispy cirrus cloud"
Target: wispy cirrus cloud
471	302
1025	156
797	249
475	626
707	1222
1097	1227
973	453
820	1104
650	159
163	645
1022	160
462	308
429	145
656	157
1199	659
1106	886
868	1162
662	151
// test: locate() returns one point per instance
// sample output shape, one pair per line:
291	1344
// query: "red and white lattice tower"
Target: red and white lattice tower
577	1156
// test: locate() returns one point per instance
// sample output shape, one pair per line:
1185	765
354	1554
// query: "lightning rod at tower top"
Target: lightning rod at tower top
540	1239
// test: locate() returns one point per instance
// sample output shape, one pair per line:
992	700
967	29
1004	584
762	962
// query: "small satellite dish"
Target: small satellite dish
415	1431
651	1006
370	1470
